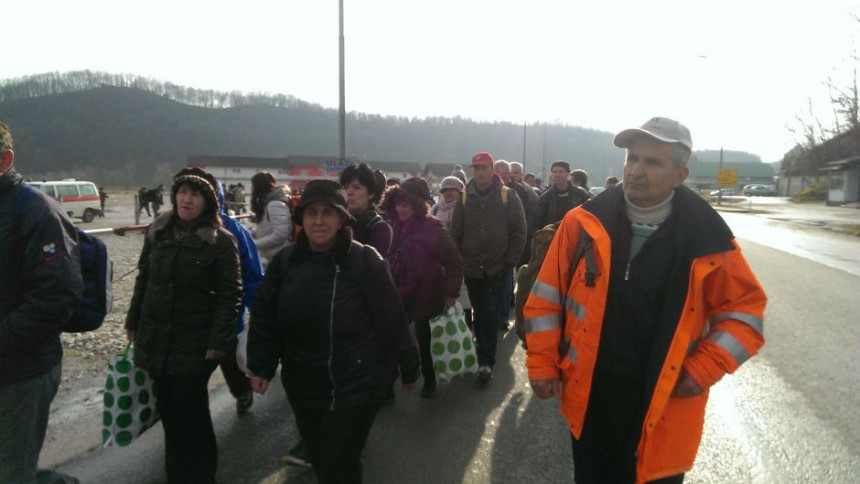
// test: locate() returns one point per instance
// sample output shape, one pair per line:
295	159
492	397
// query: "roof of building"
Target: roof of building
391	167
843	164
438	169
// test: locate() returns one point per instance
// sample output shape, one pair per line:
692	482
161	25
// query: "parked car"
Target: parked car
758	190
727	192
77	198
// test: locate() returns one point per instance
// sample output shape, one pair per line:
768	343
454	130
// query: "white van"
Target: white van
77	198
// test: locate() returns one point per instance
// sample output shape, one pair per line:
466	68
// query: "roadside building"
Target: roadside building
293	170
843	181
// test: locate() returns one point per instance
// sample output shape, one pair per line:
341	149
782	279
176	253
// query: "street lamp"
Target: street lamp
342	109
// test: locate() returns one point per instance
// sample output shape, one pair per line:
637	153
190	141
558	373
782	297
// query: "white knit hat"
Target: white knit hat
452	182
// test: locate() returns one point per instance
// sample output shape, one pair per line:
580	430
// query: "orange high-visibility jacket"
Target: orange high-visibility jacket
720	327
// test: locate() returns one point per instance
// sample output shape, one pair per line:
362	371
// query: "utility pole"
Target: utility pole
342	110
543	156
524	148
720	187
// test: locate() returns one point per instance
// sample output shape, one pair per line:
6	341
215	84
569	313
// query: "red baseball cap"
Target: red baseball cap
482	158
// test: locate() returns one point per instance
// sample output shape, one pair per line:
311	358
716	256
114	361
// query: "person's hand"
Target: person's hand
130	334
450	301
214	354
546	388
686	387
259	384
409	386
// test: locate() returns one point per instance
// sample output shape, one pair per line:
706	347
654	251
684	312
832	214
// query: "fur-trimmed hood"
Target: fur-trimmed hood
206	233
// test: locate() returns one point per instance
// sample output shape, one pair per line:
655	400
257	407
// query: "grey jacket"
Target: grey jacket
276	226
489	231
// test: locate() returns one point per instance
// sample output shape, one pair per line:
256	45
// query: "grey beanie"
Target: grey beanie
452	182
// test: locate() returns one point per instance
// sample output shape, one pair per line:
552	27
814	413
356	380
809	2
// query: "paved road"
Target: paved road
789	415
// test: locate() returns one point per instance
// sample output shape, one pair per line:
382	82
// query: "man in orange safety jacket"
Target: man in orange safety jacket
644	301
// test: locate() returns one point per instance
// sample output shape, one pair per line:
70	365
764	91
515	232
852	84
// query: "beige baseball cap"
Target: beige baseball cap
663	129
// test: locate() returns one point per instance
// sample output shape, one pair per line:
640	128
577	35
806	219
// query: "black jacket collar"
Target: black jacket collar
703	229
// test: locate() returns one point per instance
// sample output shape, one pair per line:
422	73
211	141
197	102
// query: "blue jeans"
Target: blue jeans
24	409
485	295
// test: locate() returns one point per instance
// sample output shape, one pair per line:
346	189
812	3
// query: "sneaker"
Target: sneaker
485	374
244	403
299	455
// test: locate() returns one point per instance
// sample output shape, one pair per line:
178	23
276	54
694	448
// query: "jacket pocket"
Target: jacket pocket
197	270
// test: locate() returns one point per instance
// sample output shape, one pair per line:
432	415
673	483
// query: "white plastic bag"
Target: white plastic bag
129	401
451	345
242	349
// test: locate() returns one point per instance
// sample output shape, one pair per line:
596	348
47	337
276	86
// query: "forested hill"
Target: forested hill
131	136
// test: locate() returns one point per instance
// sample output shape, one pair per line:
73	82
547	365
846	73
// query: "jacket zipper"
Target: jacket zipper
331	335
627	272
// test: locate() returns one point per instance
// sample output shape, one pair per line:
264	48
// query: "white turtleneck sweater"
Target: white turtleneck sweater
646	220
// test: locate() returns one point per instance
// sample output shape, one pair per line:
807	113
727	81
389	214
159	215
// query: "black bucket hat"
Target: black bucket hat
326	191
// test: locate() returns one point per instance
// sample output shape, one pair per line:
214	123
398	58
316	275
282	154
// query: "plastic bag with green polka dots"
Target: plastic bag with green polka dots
129	401
451	345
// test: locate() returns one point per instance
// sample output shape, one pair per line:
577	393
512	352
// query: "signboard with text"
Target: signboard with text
336	165
727	177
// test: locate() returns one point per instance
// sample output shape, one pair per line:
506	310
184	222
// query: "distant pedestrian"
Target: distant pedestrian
529	200
561	196
156	199
425	264
610	182
529	179
102	197
579	178
459	173
143	201
489	229
182	319
239	198
364	189
329	312
252	274
40	287
451	189
270	203
450	194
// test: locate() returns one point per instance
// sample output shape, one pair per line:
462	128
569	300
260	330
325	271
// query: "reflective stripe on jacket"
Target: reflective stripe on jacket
720	327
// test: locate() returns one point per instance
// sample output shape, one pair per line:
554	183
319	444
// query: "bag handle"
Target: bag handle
127	347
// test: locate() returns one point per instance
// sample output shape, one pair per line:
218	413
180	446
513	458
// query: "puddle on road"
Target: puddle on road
810	242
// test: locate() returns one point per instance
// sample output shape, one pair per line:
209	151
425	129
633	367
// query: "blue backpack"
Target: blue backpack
96	271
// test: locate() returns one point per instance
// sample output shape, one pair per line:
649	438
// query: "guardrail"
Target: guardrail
139	227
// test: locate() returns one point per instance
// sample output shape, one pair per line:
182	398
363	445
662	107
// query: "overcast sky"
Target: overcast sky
736	72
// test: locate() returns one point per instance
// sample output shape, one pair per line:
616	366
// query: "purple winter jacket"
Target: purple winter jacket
425	265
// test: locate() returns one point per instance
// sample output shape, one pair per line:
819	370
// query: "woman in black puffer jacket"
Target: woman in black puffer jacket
182	318
329	311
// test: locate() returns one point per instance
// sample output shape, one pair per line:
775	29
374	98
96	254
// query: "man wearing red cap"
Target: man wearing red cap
489	228
644	301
